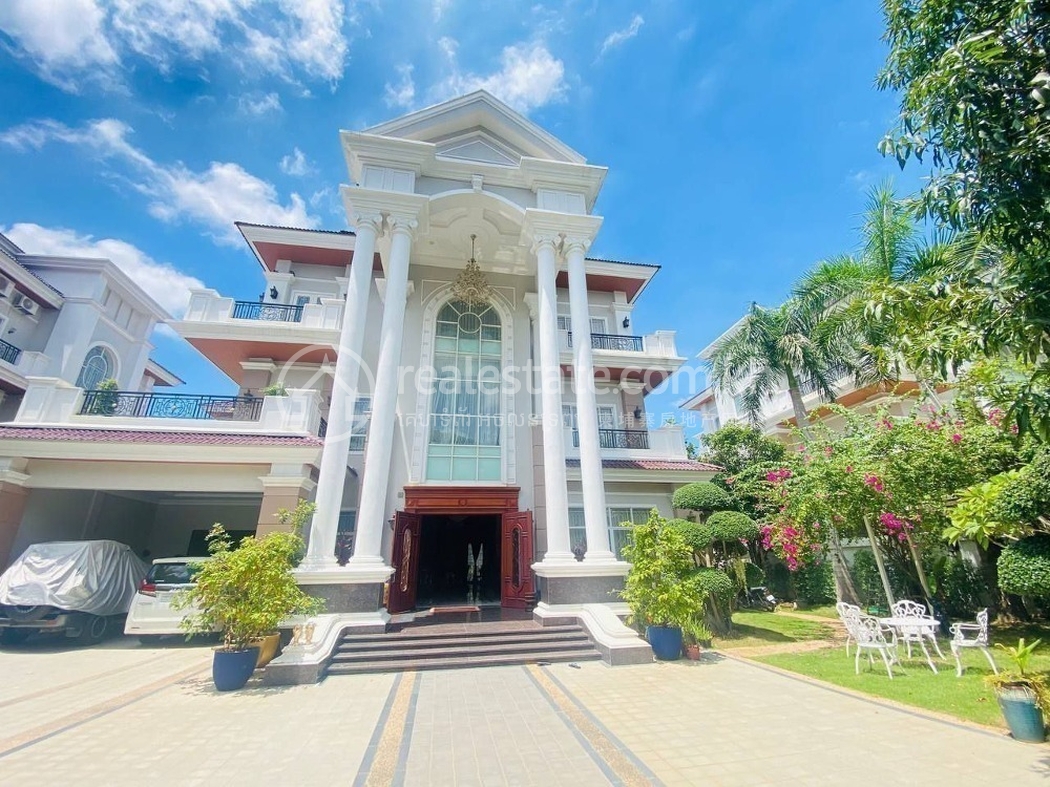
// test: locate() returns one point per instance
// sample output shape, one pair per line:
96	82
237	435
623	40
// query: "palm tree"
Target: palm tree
839	290
771	347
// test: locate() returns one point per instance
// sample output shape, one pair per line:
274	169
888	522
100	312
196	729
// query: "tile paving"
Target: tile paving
126	714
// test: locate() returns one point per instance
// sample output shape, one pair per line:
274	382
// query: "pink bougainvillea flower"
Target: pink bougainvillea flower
956	438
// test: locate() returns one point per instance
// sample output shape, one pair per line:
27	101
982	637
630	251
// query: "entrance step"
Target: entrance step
459	645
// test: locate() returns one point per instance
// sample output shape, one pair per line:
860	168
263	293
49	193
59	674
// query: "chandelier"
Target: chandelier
471	286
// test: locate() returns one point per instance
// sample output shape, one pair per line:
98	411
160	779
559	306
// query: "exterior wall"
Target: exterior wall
13	501
275	498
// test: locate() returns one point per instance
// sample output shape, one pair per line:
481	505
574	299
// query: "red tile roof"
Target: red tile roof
63	434
652	464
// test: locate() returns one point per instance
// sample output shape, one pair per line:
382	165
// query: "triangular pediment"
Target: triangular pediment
479	146
479	127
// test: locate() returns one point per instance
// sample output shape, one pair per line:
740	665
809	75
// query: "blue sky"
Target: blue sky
741	137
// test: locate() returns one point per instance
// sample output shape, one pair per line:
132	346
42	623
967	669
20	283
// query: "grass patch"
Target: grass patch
968	697
752	628
822	611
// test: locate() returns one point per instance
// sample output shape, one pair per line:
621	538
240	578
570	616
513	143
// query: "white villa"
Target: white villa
454	382
718	406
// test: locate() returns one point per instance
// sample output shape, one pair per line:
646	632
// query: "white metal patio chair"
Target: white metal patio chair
848	613
920	633
871	636
971	635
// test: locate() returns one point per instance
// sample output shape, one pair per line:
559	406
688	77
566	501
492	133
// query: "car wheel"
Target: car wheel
27	614
14	636
92	630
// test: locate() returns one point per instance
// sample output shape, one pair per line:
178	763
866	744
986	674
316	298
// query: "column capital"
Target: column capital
542	240
406	223
366	218
532	302
580	243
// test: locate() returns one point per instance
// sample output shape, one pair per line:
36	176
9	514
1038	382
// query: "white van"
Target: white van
151	615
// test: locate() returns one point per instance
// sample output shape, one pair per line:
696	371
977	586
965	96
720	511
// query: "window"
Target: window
359	425
606	416
98	366
620	520
738	404
465	406
598	324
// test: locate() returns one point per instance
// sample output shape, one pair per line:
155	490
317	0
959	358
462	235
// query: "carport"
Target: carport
152	490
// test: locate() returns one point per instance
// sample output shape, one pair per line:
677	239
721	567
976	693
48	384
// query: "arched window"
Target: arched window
465	404
98	366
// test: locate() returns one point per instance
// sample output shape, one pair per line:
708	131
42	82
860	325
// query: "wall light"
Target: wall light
626	322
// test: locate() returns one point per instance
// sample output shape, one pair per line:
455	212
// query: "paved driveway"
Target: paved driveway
127	714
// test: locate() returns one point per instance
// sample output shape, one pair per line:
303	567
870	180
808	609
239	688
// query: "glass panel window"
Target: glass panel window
359	426
577	532
98	366
467	397
344	539
598	325
606	417
620	519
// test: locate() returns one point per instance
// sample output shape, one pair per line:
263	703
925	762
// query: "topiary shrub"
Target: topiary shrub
732	526
720	591
702	496
1024	567
815	583
697	535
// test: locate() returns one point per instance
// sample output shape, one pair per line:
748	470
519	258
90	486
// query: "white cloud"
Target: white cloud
618	37
259	104
529	77
69	41
162	281
59	36
214	198
404	92
296	164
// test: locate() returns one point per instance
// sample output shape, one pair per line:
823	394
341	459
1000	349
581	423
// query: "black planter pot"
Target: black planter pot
230	669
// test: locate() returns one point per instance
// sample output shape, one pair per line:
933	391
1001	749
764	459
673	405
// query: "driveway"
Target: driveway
123	713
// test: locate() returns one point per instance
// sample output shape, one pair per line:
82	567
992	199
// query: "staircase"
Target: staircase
458	645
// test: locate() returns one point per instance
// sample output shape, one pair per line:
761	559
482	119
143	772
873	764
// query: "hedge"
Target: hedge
702	496
1024	567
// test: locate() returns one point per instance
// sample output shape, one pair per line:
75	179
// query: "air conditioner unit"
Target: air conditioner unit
26	305
7	287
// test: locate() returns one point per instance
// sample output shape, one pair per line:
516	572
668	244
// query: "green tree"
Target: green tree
974	86
772	348
736	446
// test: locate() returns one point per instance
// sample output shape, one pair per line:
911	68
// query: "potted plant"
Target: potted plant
1022	695
244	592
660	588
695	635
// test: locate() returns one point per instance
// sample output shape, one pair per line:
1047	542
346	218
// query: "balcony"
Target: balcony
229	332
136	404
52	401
9	353
610	341
665	442
267	312
627	439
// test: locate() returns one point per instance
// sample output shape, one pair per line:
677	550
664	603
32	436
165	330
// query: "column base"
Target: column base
581	582
346	589
617	643
299	664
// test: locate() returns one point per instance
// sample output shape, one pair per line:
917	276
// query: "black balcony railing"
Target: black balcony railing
617	438
322	429
137	404
267	312
611	341
357	436
9	353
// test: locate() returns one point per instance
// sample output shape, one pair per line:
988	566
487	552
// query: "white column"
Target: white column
334	456
594	509
555	486
371	514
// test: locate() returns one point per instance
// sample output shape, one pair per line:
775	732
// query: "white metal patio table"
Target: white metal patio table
912	629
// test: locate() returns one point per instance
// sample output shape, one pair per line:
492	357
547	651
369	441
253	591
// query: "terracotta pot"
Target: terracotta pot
268	646
692	652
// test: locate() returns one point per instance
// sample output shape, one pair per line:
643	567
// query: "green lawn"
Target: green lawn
752	628
967	697
823	611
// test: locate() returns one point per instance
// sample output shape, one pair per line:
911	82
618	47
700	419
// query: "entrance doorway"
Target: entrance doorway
461	547
459	560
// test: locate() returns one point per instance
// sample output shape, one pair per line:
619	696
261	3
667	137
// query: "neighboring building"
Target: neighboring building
73	319
529	475
718	406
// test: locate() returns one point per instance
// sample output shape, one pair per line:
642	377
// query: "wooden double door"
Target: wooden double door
515	557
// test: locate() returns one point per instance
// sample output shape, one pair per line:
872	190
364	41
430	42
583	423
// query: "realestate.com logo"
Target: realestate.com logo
486	389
